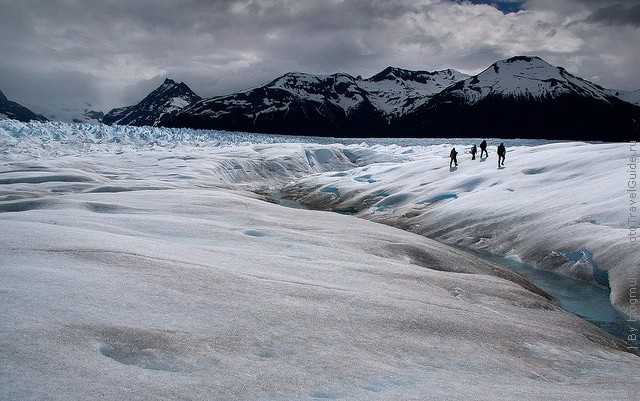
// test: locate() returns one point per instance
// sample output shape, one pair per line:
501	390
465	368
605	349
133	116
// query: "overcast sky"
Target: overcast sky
113	52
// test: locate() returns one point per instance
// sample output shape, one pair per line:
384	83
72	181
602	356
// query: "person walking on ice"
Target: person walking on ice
473	152
501	154
483	148
453	155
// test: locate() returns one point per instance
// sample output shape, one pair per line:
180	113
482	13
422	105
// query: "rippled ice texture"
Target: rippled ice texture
146	264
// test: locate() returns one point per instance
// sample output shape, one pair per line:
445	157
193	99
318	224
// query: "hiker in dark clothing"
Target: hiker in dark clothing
453	155
473	152
501	154
483	148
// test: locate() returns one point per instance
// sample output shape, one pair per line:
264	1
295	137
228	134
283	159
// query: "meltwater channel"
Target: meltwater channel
589	301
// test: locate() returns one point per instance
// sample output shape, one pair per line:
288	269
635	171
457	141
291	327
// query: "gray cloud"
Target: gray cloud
113	52
617	14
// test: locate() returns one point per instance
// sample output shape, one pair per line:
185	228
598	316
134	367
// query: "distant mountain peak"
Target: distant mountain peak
526	59
417	76
527	66
525	97
16	111
165	101
390	72
524	62
525	77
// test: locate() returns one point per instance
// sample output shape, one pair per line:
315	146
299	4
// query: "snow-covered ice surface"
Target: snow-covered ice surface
145	264
558	206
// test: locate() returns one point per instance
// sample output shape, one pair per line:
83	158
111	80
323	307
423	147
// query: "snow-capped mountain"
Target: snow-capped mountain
294	102
16	111
336	104
524	97
517	97
396	91
525	78
168	99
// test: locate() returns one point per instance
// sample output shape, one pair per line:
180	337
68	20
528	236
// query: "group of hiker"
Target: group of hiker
502	151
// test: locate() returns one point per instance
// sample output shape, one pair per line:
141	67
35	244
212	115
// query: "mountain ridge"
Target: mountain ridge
312	104
523	96
16	111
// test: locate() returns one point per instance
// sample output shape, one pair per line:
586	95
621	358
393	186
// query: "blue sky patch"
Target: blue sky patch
506	6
